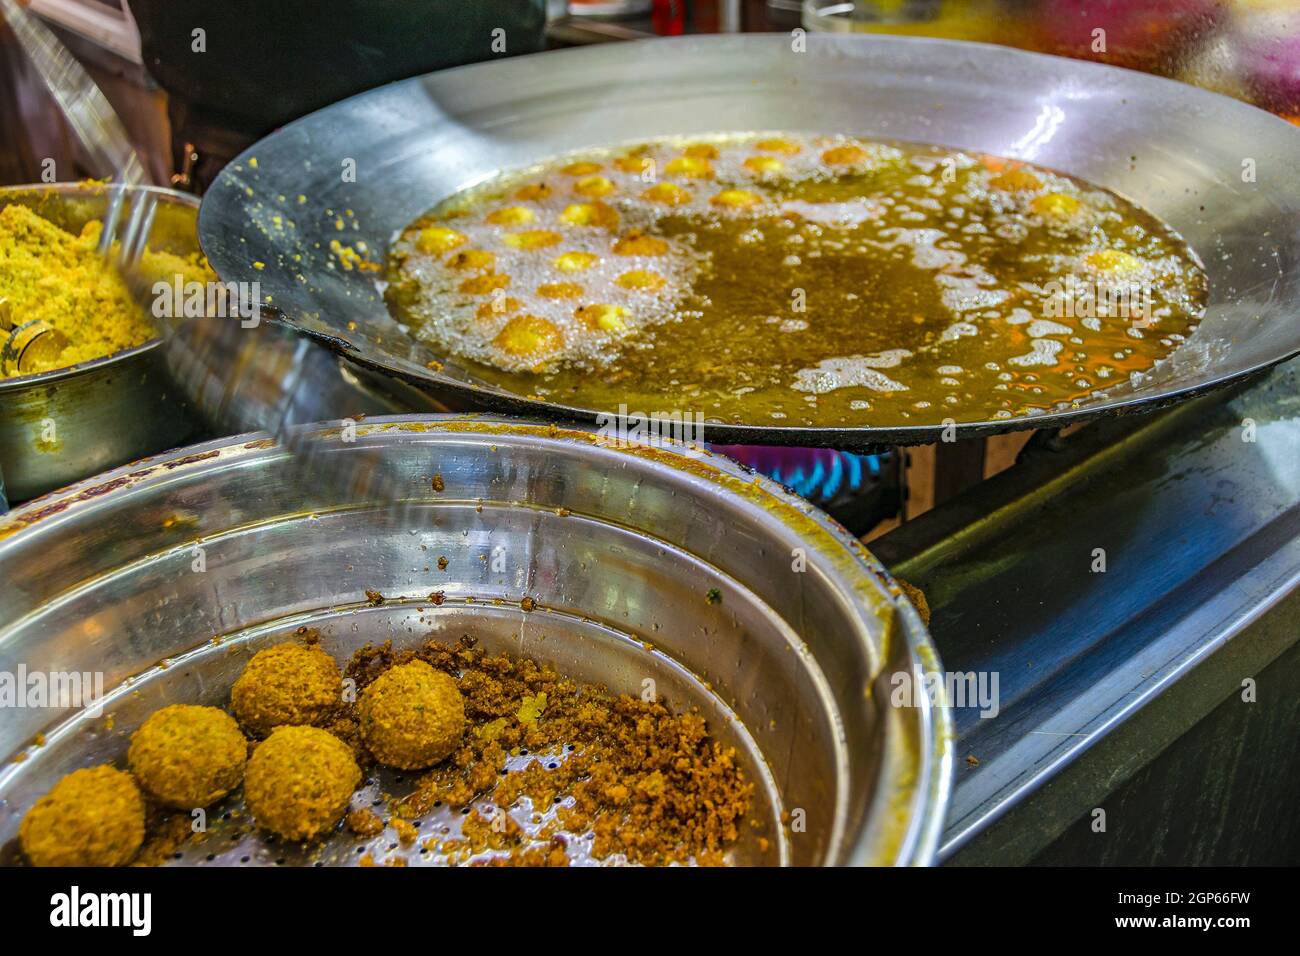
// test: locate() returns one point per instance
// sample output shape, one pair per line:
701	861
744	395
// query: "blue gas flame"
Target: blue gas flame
818	474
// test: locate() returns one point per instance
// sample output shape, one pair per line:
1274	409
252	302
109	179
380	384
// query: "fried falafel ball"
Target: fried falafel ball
286	684
299	781
92	817
186	756
412	716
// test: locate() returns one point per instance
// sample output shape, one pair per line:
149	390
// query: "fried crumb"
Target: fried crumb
406	833
364	822
166	834
649	785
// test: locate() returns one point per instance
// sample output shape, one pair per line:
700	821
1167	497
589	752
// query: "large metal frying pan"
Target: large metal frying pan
1183	153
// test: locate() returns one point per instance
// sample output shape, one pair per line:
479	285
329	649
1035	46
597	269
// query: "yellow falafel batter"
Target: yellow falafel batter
53	276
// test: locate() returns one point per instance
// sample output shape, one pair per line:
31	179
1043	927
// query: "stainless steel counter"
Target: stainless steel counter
1100	672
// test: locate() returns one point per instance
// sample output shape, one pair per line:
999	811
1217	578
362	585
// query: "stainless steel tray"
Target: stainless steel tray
617	546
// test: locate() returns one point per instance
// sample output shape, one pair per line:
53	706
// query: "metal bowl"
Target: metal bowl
106	411
1222	173
132	574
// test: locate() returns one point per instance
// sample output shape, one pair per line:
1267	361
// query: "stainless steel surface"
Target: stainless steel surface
270	377
617	546
1174	149
260	373
60	426
1198	513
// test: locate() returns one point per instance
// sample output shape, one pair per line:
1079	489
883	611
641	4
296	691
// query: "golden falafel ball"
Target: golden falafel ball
187	756
847	154
1056	206
590	214
534	192
512	216
602	317
667	194
736	198
412	716
559	290
92	817
642	280
485	283
1112	262
286	684
764	165
637	243
529	336
299	782
693	167
1016	181
435	240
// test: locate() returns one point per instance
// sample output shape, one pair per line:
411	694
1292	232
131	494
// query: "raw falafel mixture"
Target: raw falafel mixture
56	277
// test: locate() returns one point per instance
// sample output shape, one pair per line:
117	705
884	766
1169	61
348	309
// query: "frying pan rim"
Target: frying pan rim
498	400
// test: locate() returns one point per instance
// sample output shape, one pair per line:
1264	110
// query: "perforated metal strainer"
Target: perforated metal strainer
756	609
